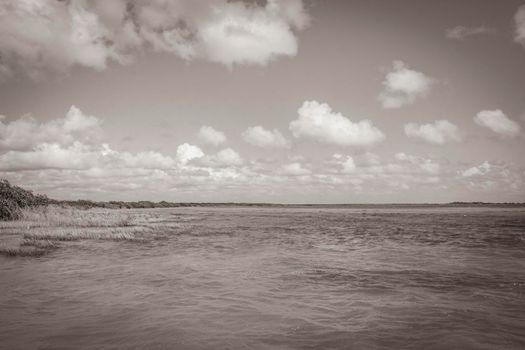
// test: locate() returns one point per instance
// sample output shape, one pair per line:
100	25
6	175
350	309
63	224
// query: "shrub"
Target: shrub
14	198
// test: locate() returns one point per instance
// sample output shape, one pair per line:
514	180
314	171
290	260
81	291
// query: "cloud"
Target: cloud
440	132
211	136
187	152
317	121
295	169
404	172
25	133
349	165
426	165
402	86
477	170
80	156
228	157
78	166
494	176
519	19
498	122
260	137
40	36
461	32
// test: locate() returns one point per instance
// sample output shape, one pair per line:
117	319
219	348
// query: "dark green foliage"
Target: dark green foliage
14	198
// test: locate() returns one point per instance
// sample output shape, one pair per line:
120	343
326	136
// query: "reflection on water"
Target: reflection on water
263	278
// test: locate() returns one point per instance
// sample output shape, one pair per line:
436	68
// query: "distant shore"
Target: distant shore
164	204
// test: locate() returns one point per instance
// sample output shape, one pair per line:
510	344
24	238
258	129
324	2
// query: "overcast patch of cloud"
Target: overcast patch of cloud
261	137
462	32
318	122
498	122
402	86
41	36
439	132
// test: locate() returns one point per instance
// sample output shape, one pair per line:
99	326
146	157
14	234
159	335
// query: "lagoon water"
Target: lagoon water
280	278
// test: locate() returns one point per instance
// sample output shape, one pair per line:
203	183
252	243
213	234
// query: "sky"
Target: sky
351	101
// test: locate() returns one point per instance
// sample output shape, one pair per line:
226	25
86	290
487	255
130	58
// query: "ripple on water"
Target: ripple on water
279	278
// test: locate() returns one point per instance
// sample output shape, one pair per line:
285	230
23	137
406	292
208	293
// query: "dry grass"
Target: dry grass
75	234
42	228
57	216
22	251
40	244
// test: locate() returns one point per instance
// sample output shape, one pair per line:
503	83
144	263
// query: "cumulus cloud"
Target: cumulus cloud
402	86
211	136
25	133
228	157
187	152
317	121
498	122
426	165
477	170
295	169
348	165
519	19
37	36
261	137
404	172
439	132
493	176
462	32
80	156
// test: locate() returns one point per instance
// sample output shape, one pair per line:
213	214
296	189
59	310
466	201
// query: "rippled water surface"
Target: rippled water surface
274	278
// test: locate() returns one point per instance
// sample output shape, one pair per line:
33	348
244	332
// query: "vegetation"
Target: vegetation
13	199
43	229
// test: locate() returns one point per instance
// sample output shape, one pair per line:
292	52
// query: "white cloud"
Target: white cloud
81	157
260	137
462	32
498	122
494	176
403	85
228	157
37	36
50	156
426	165
317	121
482	169
187	152
245	34
440	132
211	136
348	165
519	19
295	169
25	133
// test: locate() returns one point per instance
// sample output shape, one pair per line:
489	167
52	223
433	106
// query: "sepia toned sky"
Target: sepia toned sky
354	101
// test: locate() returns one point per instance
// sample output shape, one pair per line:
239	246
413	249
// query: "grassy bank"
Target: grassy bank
14	199
43	229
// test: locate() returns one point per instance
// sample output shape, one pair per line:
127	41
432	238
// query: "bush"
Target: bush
14	198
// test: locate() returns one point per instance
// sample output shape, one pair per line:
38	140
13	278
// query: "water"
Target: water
273	278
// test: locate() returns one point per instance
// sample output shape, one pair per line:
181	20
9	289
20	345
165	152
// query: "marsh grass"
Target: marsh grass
75	234
58	216
22	251
42	228
40	244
